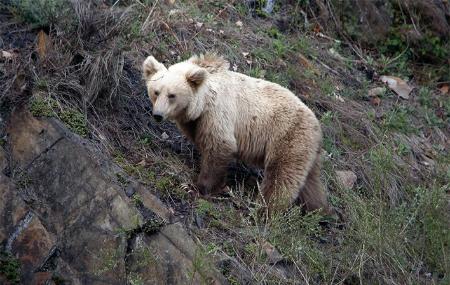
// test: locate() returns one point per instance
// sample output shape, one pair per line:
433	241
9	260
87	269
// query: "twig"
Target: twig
173	34
326	66
144	25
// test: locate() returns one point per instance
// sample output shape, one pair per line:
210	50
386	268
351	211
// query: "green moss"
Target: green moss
9	267
48	107
40	107
23	180
75	121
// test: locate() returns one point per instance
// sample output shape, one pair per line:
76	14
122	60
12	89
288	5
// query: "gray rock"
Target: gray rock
78	224
346	178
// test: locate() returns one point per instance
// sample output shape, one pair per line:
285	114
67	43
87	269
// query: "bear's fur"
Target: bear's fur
229	115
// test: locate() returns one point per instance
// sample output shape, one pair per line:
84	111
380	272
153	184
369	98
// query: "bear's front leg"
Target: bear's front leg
213	172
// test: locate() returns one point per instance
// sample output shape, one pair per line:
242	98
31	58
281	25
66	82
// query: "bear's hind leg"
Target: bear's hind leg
280	185
312	195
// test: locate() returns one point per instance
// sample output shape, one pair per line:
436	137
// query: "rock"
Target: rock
171	257
30	137
8	55
346	178
273	255
377	91
3	160
78	223
31	247
233	268
12	208
152	203
398	85
164	136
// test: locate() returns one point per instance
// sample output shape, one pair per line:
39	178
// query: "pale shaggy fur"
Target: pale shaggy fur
229	115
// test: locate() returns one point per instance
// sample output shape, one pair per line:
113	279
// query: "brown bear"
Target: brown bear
229	115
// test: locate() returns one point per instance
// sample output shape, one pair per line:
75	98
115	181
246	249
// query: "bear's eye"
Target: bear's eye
156	93
171	96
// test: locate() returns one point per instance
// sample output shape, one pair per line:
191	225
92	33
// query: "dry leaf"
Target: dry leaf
43	44
398	85
444	89
316	29
304	61
375	101
377	91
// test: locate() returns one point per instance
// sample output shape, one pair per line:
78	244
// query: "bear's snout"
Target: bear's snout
157	117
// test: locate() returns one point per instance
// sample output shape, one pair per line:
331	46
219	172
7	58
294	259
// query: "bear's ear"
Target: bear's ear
196	76
151	66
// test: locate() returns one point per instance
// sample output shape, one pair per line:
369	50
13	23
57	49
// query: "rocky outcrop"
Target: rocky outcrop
66	217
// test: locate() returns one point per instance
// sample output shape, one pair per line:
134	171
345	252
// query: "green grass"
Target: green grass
399	119
39	13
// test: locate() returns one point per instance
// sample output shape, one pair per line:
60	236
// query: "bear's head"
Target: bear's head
177	92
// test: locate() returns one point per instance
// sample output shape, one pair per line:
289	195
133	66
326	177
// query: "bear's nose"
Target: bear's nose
157	117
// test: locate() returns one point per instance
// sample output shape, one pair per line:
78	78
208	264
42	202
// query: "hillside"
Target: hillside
94	191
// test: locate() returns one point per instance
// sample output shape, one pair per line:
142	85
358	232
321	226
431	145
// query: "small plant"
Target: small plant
108	260
153	225
164	183
200	266
9	268
327	118
207	208
136	199
122	180
135	279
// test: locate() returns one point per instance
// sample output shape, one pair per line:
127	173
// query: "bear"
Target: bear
229	115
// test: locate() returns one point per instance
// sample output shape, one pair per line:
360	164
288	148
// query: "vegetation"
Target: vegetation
393	224
9	268
48	107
